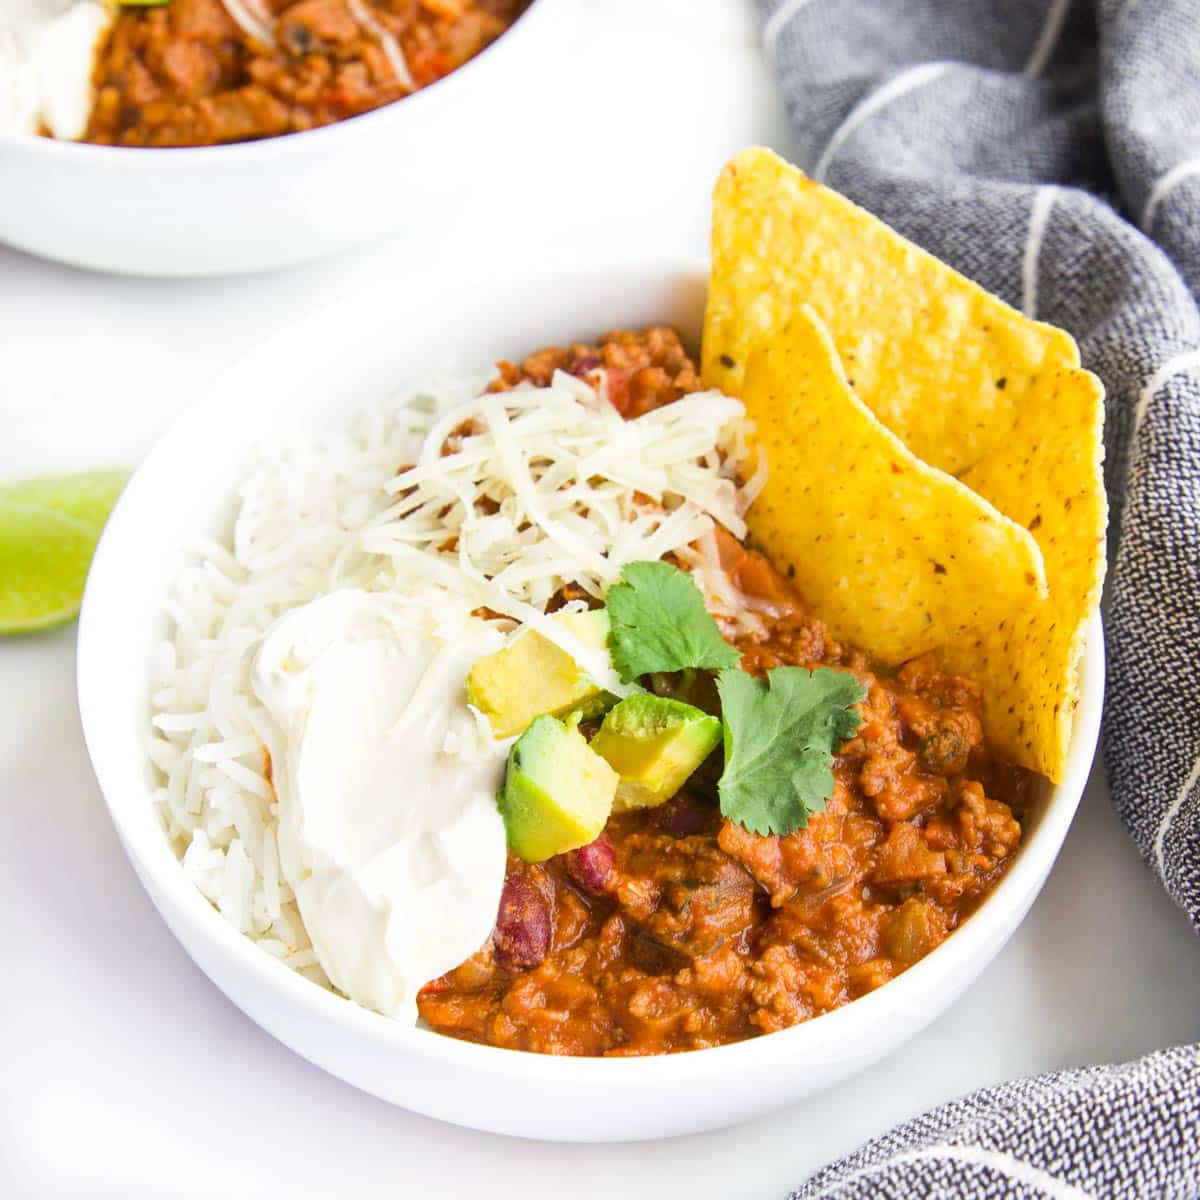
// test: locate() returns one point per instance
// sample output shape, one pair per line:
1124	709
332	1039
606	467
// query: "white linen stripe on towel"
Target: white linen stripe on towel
1039	217
777	22
1160	839
1047	39
995	1160
1172	367
903	83
1163	184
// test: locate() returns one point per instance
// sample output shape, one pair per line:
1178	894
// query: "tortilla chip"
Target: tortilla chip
894	554
943	364
1048	476
967	383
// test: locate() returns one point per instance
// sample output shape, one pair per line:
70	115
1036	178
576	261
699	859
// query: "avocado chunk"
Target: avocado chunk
654	743
532	676
557	792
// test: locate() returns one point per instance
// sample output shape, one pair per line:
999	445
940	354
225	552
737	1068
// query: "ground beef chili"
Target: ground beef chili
640	370
186	74
677	929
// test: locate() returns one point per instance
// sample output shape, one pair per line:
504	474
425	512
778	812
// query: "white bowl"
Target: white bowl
257	205
185	490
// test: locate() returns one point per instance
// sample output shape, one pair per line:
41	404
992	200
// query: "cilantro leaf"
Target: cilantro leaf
658	622
780	735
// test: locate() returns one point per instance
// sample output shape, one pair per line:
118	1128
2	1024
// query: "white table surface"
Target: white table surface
123	1072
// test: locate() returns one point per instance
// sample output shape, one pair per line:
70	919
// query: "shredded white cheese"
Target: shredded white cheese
516	495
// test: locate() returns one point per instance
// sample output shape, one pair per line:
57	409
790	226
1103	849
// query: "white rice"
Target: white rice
320	512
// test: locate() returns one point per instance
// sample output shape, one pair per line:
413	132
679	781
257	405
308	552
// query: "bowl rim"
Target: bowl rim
161	873
137	158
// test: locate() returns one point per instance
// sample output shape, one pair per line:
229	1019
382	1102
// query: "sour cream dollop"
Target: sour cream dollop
389	834
48	52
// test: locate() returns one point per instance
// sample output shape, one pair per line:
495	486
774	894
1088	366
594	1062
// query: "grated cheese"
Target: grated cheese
515	495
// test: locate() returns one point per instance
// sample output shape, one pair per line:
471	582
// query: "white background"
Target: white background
123	1072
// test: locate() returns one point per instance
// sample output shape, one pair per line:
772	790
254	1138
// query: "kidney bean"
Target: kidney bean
521	938
591	866
684	816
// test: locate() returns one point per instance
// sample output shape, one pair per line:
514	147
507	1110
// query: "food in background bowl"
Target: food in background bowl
539	591
208	72
298	198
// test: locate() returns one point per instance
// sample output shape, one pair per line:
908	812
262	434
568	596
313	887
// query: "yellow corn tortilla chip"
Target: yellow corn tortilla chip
943	364
967	383
894	554
1048	476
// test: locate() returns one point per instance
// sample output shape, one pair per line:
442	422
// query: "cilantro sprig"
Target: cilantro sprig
780	733
658	622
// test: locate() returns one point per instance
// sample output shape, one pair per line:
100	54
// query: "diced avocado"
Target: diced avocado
532	676
654	744
557	792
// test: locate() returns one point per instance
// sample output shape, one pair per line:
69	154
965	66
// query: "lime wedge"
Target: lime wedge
48	532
